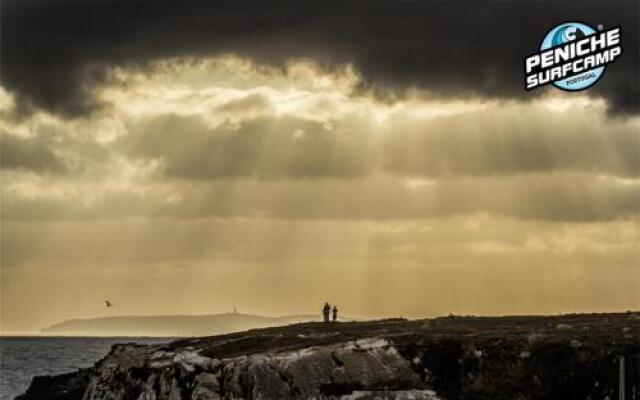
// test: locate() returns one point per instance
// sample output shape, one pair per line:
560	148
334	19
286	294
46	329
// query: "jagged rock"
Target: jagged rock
368	367
265	381
206	387
190	360
392	395
307	370
234	378
61	387
373	364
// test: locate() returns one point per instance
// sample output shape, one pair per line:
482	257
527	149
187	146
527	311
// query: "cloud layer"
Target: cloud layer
53	52
227	138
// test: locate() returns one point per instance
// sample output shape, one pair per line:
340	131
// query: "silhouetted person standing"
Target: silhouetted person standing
325	311
335	313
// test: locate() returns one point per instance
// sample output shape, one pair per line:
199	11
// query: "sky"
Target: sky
192	158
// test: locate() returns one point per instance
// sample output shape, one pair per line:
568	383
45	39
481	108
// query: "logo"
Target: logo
573	56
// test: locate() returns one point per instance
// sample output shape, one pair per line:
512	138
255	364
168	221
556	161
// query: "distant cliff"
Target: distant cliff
170	325
525	358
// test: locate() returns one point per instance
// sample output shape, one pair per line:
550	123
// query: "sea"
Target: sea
22	358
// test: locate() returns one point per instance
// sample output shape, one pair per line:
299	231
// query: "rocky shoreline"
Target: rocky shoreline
564	357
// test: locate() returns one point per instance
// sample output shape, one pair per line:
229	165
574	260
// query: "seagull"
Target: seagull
108	303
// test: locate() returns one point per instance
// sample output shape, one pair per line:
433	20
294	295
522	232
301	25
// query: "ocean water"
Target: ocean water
22	358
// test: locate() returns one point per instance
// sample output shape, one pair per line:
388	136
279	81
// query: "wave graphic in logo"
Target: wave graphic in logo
569	32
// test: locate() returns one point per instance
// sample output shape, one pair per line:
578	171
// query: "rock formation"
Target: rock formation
446	358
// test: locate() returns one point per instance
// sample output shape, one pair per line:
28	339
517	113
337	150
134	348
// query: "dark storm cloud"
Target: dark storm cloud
28	154
52	51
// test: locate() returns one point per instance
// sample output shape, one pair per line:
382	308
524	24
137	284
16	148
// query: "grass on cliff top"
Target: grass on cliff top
597	329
